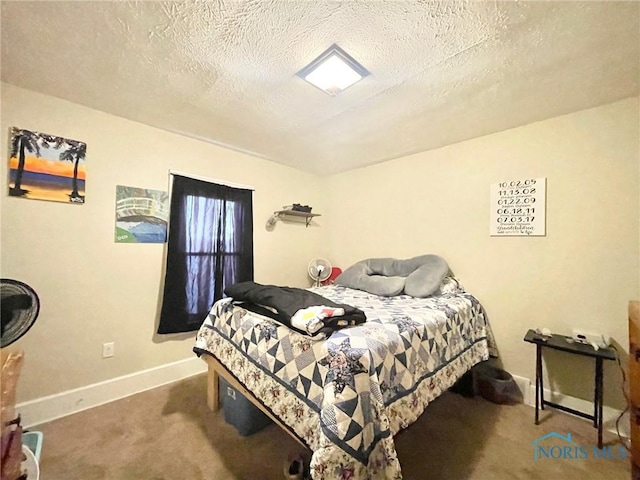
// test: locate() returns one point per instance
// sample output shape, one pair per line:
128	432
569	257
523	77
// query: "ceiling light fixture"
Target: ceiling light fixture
333	71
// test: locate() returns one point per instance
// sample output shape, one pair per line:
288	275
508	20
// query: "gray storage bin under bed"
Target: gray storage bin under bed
240	412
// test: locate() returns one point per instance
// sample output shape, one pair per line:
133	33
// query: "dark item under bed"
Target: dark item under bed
240	412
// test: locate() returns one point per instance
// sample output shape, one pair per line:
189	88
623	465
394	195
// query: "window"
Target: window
210	246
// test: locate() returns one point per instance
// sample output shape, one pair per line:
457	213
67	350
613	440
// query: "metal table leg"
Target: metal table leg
541	382
538	380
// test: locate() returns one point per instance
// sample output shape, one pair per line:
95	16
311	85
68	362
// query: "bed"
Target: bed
346	397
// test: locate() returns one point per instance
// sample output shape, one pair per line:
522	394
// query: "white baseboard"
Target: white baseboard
45	409
609	414
524	384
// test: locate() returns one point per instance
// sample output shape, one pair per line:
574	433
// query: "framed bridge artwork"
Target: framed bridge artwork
46	167
141	215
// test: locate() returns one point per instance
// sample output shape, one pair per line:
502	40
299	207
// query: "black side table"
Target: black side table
559	342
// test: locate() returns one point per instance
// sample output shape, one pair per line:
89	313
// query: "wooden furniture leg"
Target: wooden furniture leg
212	388
10	466
634	385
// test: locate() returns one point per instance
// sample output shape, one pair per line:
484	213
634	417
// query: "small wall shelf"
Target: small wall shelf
294	213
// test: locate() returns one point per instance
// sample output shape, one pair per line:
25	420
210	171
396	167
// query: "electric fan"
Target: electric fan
19	306
319	270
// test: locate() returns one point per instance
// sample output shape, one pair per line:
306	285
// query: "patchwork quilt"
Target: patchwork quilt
347	396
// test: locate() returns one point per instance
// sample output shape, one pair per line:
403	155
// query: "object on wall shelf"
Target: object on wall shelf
292	213
296	207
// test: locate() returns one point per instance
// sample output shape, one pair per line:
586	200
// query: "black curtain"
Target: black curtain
209	246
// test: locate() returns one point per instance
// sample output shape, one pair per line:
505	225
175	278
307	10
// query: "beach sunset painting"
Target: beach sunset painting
46	167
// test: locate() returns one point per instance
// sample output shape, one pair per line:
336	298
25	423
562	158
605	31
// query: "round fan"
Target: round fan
19	306
319	269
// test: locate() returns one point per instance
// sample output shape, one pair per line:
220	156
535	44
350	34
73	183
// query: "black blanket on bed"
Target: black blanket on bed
284	302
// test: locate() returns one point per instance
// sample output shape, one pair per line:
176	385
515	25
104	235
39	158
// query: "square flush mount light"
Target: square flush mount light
333	71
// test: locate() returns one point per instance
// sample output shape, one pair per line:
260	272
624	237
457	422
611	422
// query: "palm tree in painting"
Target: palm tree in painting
77	151
22	141
51	141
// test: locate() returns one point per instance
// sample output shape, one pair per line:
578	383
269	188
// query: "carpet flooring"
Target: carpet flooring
169	434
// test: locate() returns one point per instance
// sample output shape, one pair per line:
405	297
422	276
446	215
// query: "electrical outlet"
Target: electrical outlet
108	349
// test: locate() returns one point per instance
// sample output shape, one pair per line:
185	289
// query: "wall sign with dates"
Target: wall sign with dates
518	207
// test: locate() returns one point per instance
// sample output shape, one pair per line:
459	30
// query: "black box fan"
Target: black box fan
19	305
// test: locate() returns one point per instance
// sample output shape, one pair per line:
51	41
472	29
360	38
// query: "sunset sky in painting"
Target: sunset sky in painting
50	166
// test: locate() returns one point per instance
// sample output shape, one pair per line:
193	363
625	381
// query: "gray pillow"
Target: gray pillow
373	275
418	276
426	278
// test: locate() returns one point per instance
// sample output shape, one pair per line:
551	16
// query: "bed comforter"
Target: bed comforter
347	396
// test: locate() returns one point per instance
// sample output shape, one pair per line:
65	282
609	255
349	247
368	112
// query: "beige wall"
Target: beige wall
93	290
582	273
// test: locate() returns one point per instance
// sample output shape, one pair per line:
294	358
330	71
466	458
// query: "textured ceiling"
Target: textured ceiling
224	71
